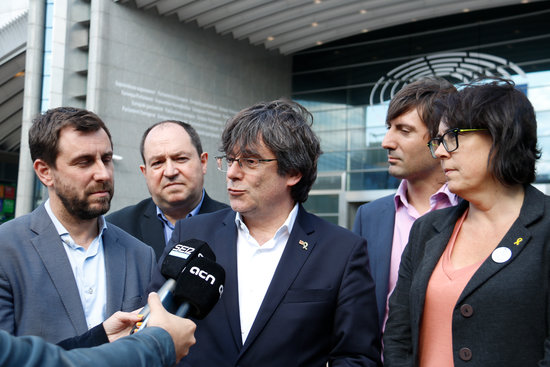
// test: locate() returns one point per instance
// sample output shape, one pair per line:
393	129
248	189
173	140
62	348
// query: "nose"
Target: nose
234	171
441	152
170	169
388	142
104	171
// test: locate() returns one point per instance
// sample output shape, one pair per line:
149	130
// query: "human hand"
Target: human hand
181	330
120	323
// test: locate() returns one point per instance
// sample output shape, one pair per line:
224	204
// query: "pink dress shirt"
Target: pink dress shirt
405	215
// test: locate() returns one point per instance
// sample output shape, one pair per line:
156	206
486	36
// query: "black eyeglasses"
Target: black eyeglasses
224	162
449	140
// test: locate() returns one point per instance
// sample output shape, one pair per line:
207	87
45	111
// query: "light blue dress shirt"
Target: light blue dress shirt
88	269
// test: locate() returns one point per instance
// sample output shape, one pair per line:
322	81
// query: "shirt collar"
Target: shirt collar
443	194
192	213
60	228
286	226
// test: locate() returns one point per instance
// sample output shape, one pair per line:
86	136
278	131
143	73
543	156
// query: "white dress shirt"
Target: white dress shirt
255	267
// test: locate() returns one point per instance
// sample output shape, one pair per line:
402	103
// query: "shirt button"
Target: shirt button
466	310
465	354
90	290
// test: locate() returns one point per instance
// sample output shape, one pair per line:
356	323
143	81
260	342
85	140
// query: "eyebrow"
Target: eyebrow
176	154
90	156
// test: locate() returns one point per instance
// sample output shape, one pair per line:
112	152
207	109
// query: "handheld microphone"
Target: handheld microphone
199	287
174	263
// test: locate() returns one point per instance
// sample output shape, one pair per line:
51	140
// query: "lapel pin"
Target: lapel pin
501	255
304	244
518	241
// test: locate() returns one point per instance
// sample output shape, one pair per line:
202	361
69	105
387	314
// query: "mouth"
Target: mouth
232	191
101	194
392	159
173	184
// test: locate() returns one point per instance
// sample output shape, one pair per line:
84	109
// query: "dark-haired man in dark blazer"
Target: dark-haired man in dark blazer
298	290
174	166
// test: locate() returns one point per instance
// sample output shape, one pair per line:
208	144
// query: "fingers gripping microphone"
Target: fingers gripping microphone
174	263
199	287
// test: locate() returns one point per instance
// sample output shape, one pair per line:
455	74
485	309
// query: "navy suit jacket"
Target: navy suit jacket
141	221
375	222
38	291
319	307
502	316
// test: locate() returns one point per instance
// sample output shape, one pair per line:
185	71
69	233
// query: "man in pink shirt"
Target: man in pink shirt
386	222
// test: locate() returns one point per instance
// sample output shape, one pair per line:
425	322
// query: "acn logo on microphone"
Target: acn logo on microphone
203	274
181	251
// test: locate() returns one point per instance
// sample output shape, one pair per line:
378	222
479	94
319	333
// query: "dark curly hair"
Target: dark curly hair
284	127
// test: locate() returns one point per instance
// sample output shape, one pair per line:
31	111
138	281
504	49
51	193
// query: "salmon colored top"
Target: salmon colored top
445	286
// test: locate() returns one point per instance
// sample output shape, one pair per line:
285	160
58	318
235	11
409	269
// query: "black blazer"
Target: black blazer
502	318
141	221
320	305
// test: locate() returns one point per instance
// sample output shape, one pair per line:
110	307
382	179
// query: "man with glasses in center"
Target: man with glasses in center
298	291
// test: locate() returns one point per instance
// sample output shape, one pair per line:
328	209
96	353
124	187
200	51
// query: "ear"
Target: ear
204	162
293	178
44	172
143	169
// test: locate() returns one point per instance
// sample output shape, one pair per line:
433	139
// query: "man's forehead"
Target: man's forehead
258	148
410	117
167	135
69	135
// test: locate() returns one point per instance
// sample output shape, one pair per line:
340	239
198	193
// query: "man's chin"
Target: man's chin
100	207
396	172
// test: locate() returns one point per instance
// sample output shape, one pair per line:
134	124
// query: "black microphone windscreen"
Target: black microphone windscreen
181	254
201	285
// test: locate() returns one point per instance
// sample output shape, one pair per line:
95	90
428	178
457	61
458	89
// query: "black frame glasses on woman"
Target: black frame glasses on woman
449	140
247	163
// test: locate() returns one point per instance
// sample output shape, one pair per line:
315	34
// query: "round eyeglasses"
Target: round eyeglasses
225	162
449	140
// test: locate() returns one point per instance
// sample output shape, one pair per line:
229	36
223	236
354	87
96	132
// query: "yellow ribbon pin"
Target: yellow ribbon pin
518	241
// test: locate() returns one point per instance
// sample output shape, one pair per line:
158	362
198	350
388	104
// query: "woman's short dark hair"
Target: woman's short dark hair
496	105
284	127
44	132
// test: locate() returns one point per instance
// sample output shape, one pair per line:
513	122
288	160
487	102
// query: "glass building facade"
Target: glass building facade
347	86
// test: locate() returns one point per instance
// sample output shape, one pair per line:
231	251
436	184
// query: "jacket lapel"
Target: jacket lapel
49	247
115	269
512	244
151	229
225	248
379	251
292	260
436	242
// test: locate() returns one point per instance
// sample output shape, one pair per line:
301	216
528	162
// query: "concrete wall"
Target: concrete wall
144	68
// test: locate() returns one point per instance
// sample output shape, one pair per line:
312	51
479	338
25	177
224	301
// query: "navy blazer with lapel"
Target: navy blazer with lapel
319	307
38	291
509	302
375	222
141	221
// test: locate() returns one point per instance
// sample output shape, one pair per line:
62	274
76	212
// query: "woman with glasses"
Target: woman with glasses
473	287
